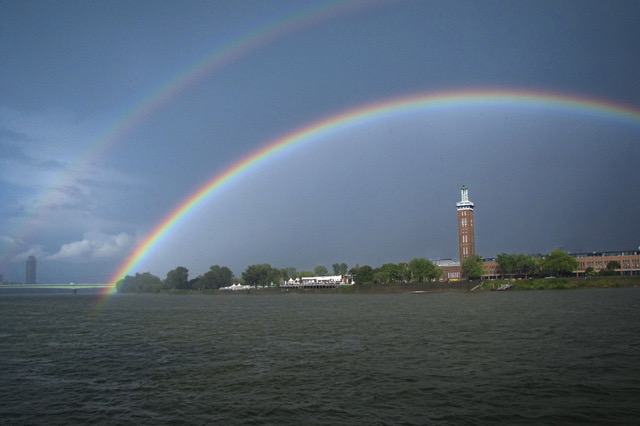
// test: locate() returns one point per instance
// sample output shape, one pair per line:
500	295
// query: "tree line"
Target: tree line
177	279
217	276
416	270
264	275
558	263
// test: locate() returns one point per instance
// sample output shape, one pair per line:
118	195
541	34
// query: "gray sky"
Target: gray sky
112	113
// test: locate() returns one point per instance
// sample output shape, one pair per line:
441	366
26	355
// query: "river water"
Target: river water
534	357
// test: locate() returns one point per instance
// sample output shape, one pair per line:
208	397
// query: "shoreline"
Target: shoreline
535	284
443	287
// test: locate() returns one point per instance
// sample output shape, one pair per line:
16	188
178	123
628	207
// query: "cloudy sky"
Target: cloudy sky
112	113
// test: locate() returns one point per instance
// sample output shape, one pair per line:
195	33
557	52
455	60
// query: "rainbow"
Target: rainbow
367	114
132	116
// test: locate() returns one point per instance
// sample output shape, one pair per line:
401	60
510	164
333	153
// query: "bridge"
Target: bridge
48	288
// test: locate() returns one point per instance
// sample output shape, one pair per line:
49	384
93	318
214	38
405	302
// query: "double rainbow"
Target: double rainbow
370	113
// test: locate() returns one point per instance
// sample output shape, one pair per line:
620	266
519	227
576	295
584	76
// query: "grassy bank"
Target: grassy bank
570	283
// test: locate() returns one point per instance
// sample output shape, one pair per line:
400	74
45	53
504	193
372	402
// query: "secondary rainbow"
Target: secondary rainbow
218	59
386	109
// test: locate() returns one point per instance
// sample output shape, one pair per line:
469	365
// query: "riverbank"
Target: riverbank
569	283
391	288
434	287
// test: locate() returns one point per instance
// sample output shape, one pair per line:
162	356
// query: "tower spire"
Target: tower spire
464	193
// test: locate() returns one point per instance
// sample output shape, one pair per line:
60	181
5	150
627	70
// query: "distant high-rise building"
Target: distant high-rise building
465	225
31	270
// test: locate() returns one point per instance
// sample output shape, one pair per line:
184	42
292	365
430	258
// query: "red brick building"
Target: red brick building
629	261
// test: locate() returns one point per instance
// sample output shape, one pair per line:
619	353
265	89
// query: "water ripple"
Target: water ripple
450	358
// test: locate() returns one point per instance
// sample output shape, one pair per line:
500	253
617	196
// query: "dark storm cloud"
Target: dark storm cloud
13	152
12	144
10	135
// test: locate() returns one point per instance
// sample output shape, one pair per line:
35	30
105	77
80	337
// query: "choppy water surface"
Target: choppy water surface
510	357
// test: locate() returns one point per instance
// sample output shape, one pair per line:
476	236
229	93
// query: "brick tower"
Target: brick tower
465	225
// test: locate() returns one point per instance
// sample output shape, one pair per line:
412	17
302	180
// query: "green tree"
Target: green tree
343	269
434	272
354	270
261	275
389	272
422	269
194	283
404	271
123	285
336	269
302	274
140	283
613	265
516	264
287	273
559	262
177	278
610	269
217	276
526	265
363	274
320	271
506	264
473	267
418	268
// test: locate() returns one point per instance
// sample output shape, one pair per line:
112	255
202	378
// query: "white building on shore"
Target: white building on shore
329	281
